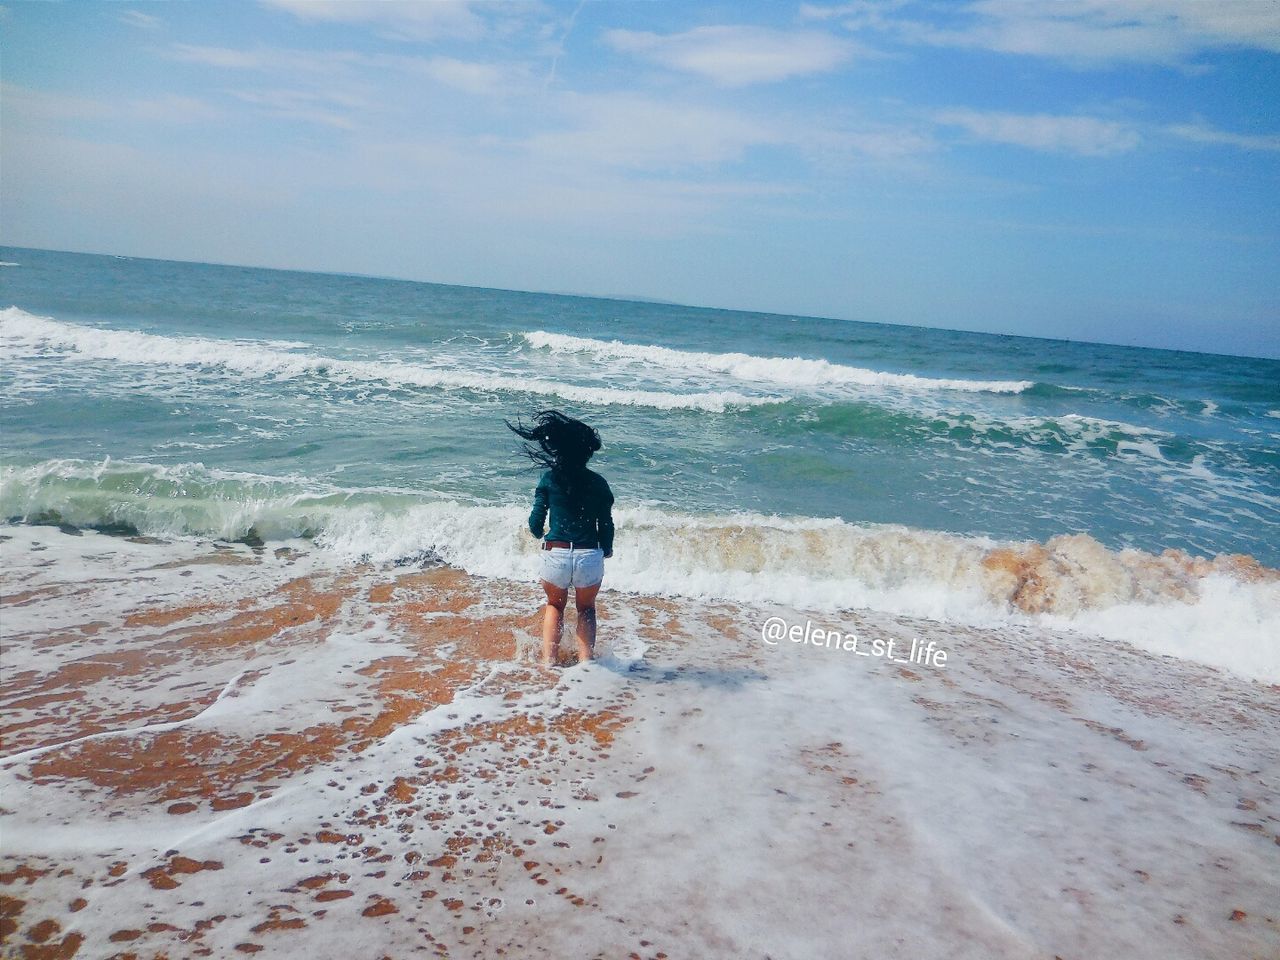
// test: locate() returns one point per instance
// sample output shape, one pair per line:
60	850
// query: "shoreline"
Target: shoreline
375	747
1216	609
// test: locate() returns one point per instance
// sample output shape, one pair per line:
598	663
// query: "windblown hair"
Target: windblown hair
563	444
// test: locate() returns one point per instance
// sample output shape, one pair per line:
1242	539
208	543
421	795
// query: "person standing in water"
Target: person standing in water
580	535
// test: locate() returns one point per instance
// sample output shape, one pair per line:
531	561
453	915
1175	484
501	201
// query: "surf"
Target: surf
775	371
1219	610
24	335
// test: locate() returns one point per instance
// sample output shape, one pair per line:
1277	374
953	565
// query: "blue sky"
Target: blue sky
1093	169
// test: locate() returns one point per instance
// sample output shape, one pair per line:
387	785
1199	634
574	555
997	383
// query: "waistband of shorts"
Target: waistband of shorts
567	545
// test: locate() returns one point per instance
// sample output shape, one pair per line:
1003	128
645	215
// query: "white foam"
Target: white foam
1170	603
1230	624
1079	423
850	797
1145	448
22	333
1150	602
25	756
1199	470
1076	432
773	371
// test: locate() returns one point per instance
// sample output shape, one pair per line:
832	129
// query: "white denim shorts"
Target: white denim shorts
567	567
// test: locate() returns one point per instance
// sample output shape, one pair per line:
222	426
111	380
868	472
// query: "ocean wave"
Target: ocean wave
773	371
1069	433
1041	388
1079	432
1219	610
22	332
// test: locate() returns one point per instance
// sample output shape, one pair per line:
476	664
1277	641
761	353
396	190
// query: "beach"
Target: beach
914	643
214	749
912	369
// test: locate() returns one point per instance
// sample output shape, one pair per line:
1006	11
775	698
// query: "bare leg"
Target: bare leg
584	598
552	621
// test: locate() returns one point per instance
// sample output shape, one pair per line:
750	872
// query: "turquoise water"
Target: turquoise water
140	388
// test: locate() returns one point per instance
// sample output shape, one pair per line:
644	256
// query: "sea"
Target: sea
1124	492
885	602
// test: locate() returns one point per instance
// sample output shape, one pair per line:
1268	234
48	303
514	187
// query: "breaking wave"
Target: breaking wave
25	333
1070	433
1219	610
772	371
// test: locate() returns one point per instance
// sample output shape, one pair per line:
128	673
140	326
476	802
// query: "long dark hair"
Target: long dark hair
563	444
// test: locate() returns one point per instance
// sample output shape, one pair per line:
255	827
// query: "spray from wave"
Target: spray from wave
23	333
1220	611
774	371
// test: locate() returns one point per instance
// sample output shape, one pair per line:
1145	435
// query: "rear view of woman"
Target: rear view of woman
580	535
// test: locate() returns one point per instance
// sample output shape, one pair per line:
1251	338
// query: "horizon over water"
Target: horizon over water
840	463
641	298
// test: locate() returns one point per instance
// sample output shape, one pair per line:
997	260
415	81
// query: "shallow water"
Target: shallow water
850	465
213	749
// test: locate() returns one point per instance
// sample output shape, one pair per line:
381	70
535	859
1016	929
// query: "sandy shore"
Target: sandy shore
213	750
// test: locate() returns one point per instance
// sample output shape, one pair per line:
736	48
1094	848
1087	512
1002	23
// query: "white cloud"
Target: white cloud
469	76
839	148
329	109
1200	133
170	108
478	181
646	134
399	19
736	56
463	75
1084	39
264	58
42	106
1083	33
1086	136
626	130
484	79
1245	23
220	56
143	21
854	15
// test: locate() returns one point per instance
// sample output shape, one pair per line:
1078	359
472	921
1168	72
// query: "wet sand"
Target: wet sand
213	750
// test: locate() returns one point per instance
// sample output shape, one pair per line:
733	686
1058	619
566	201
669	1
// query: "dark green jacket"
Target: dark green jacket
584	517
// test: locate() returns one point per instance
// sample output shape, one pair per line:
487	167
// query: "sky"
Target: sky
1103	170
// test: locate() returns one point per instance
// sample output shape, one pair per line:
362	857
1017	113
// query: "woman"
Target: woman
580	536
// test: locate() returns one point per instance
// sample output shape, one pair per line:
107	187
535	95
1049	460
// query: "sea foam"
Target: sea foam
773	371
22	333
1218	610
